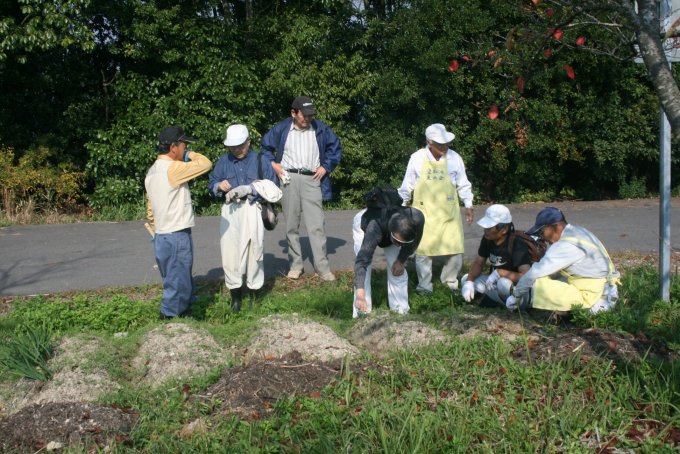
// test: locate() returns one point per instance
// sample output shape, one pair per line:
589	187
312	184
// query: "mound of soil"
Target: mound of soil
176	351
250	391
54	425
72	381
478	322
383	333
280	336
590	343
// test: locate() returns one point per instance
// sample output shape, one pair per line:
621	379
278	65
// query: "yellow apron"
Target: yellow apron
437	198
554	295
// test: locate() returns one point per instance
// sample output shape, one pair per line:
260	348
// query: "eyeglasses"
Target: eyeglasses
400	241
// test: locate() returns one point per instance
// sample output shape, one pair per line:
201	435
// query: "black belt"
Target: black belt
301	171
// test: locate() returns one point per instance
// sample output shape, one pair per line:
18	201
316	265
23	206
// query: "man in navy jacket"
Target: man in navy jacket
304	151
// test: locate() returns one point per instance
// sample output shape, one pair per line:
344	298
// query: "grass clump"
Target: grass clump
25	354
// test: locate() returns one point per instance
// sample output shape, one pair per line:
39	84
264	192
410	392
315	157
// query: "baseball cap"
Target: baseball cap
547	216
437	133
173	134
494	215
304	104
236	135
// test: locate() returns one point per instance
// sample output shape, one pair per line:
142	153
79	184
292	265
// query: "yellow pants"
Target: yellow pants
555	295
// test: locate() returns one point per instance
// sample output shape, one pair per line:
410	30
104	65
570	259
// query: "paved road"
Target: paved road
53	258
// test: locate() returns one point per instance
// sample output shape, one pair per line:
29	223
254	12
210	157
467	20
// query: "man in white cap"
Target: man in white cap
242	179
585	274
507	254
434	182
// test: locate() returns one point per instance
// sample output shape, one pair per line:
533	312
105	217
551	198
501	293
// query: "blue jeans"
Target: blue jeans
175	259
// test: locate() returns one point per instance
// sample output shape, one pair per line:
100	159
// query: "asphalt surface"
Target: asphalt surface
45	259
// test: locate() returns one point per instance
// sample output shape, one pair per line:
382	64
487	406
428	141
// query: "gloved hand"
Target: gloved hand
238	193
468	291
511	303
285	178
491	281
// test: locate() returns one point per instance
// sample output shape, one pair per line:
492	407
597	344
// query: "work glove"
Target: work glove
238	193
491	281
511	303
468	291
284	178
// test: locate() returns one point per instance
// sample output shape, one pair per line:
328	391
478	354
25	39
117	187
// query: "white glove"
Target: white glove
491	281
238	193
468	291
511	303
285	178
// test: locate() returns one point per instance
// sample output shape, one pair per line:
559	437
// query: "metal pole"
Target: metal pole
664	208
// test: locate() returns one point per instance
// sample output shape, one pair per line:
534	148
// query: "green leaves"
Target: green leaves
25	353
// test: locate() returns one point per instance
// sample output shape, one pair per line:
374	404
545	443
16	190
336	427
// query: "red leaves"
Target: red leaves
580	41
493	112
547	53
550	12
520	84
558	34
570	72
453	65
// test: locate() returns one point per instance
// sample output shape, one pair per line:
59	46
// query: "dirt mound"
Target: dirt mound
176	351
383	333
279	336
478	322
51	426
73	380
591	343
251	390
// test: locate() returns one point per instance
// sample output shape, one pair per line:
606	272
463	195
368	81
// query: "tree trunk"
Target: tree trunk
657	65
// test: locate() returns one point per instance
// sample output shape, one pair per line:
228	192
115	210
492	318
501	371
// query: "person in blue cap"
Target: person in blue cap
575	271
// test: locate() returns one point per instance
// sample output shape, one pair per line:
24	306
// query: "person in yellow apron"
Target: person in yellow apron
434	182
575	271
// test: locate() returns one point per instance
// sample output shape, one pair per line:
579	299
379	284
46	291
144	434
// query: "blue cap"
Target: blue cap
546	216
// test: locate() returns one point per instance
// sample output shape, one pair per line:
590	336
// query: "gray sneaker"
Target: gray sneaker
328	277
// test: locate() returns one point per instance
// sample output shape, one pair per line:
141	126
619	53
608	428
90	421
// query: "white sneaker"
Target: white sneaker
294	274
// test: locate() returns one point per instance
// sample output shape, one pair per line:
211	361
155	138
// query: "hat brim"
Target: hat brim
185	138
534	230
487	223
228	143
308	111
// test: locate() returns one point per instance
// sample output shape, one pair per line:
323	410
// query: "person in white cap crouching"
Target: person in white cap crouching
435	179
242	182
507	254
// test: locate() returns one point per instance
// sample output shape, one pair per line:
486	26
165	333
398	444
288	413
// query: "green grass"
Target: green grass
466	396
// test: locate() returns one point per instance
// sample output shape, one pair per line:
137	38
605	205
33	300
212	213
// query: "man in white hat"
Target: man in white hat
507	254
434	182
242	179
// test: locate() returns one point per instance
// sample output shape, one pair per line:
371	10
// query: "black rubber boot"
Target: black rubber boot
236	299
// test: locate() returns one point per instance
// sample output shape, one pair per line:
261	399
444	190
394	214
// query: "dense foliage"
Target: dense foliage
93	82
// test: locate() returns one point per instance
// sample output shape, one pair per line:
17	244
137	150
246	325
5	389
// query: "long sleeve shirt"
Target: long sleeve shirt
376	233
578	252
456	171
239	172
168	200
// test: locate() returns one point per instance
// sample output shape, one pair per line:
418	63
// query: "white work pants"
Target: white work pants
449	274
241	244
397	286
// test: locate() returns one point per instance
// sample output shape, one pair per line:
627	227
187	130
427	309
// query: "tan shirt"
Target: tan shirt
168	197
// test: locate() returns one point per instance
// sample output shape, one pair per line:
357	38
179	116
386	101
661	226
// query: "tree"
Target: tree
620	29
